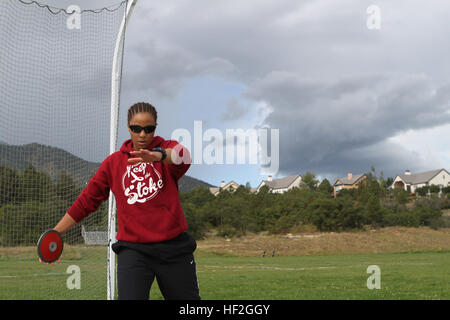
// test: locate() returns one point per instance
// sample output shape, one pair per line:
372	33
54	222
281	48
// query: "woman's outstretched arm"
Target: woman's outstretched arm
65	224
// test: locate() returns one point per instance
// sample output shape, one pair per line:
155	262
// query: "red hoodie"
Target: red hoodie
148	203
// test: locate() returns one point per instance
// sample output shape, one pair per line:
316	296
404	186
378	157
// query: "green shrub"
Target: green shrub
435	189
406	219
423	191
23	224
197	224
335	214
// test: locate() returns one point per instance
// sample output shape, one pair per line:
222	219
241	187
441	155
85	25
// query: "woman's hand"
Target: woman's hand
144	155
48	264
63	225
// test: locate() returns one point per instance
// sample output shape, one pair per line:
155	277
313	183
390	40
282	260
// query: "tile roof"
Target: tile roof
214	189
281	183
351	181
421	177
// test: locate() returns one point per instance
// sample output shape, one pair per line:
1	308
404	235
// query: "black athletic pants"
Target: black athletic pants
136	271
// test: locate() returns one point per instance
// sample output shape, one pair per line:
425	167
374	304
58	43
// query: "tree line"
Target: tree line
31	202
312	207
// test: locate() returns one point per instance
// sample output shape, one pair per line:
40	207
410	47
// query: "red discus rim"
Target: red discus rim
50	246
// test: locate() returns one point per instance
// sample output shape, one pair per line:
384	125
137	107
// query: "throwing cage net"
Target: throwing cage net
56	74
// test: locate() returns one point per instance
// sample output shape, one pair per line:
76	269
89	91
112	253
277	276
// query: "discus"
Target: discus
50	246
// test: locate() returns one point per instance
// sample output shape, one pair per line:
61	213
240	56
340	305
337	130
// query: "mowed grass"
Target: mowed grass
403	276
419	275
22	276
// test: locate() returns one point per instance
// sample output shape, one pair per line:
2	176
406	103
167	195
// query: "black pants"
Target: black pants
136	271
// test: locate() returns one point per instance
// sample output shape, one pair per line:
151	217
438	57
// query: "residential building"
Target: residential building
410	182
351	181
281	185
231	186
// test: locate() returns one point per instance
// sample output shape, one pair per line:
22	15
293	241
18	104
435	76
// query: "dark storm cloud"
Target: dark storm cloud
162	71
337	91
332	126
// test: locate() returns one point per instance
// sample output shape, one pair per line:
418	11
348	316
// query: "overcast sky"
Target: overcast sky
343	97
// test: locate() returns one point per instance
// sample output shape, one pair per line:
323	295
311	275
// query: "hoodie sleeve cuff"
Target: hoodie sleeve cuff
181	158
76	213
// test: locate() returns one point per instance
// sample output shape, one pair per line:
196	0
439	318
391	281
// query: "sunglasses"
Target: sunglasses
138	129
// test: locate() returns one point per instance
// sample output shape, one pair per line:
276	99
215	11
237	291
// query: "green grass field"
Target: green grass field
403	276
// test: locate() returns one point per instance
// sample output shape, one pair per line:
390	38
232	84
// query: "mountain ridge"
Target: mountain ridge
53	160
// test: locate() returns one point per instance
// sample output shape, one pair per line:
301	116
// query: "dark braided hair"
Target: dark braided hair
141	107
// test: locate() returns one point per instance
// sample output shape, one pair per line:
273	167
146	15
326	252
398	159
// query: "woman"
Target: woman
152	239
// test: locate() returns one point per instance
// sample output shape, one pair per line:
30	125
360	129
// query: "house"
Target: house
280	185
275	185
410	182
231	186
349	182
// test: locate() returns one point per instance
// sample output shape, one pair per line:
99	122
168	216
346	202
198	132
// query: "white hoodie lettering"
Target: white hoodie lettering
139	182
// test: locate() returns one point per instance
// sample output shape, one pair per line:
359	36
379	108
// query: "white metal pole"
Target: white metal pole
115	93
